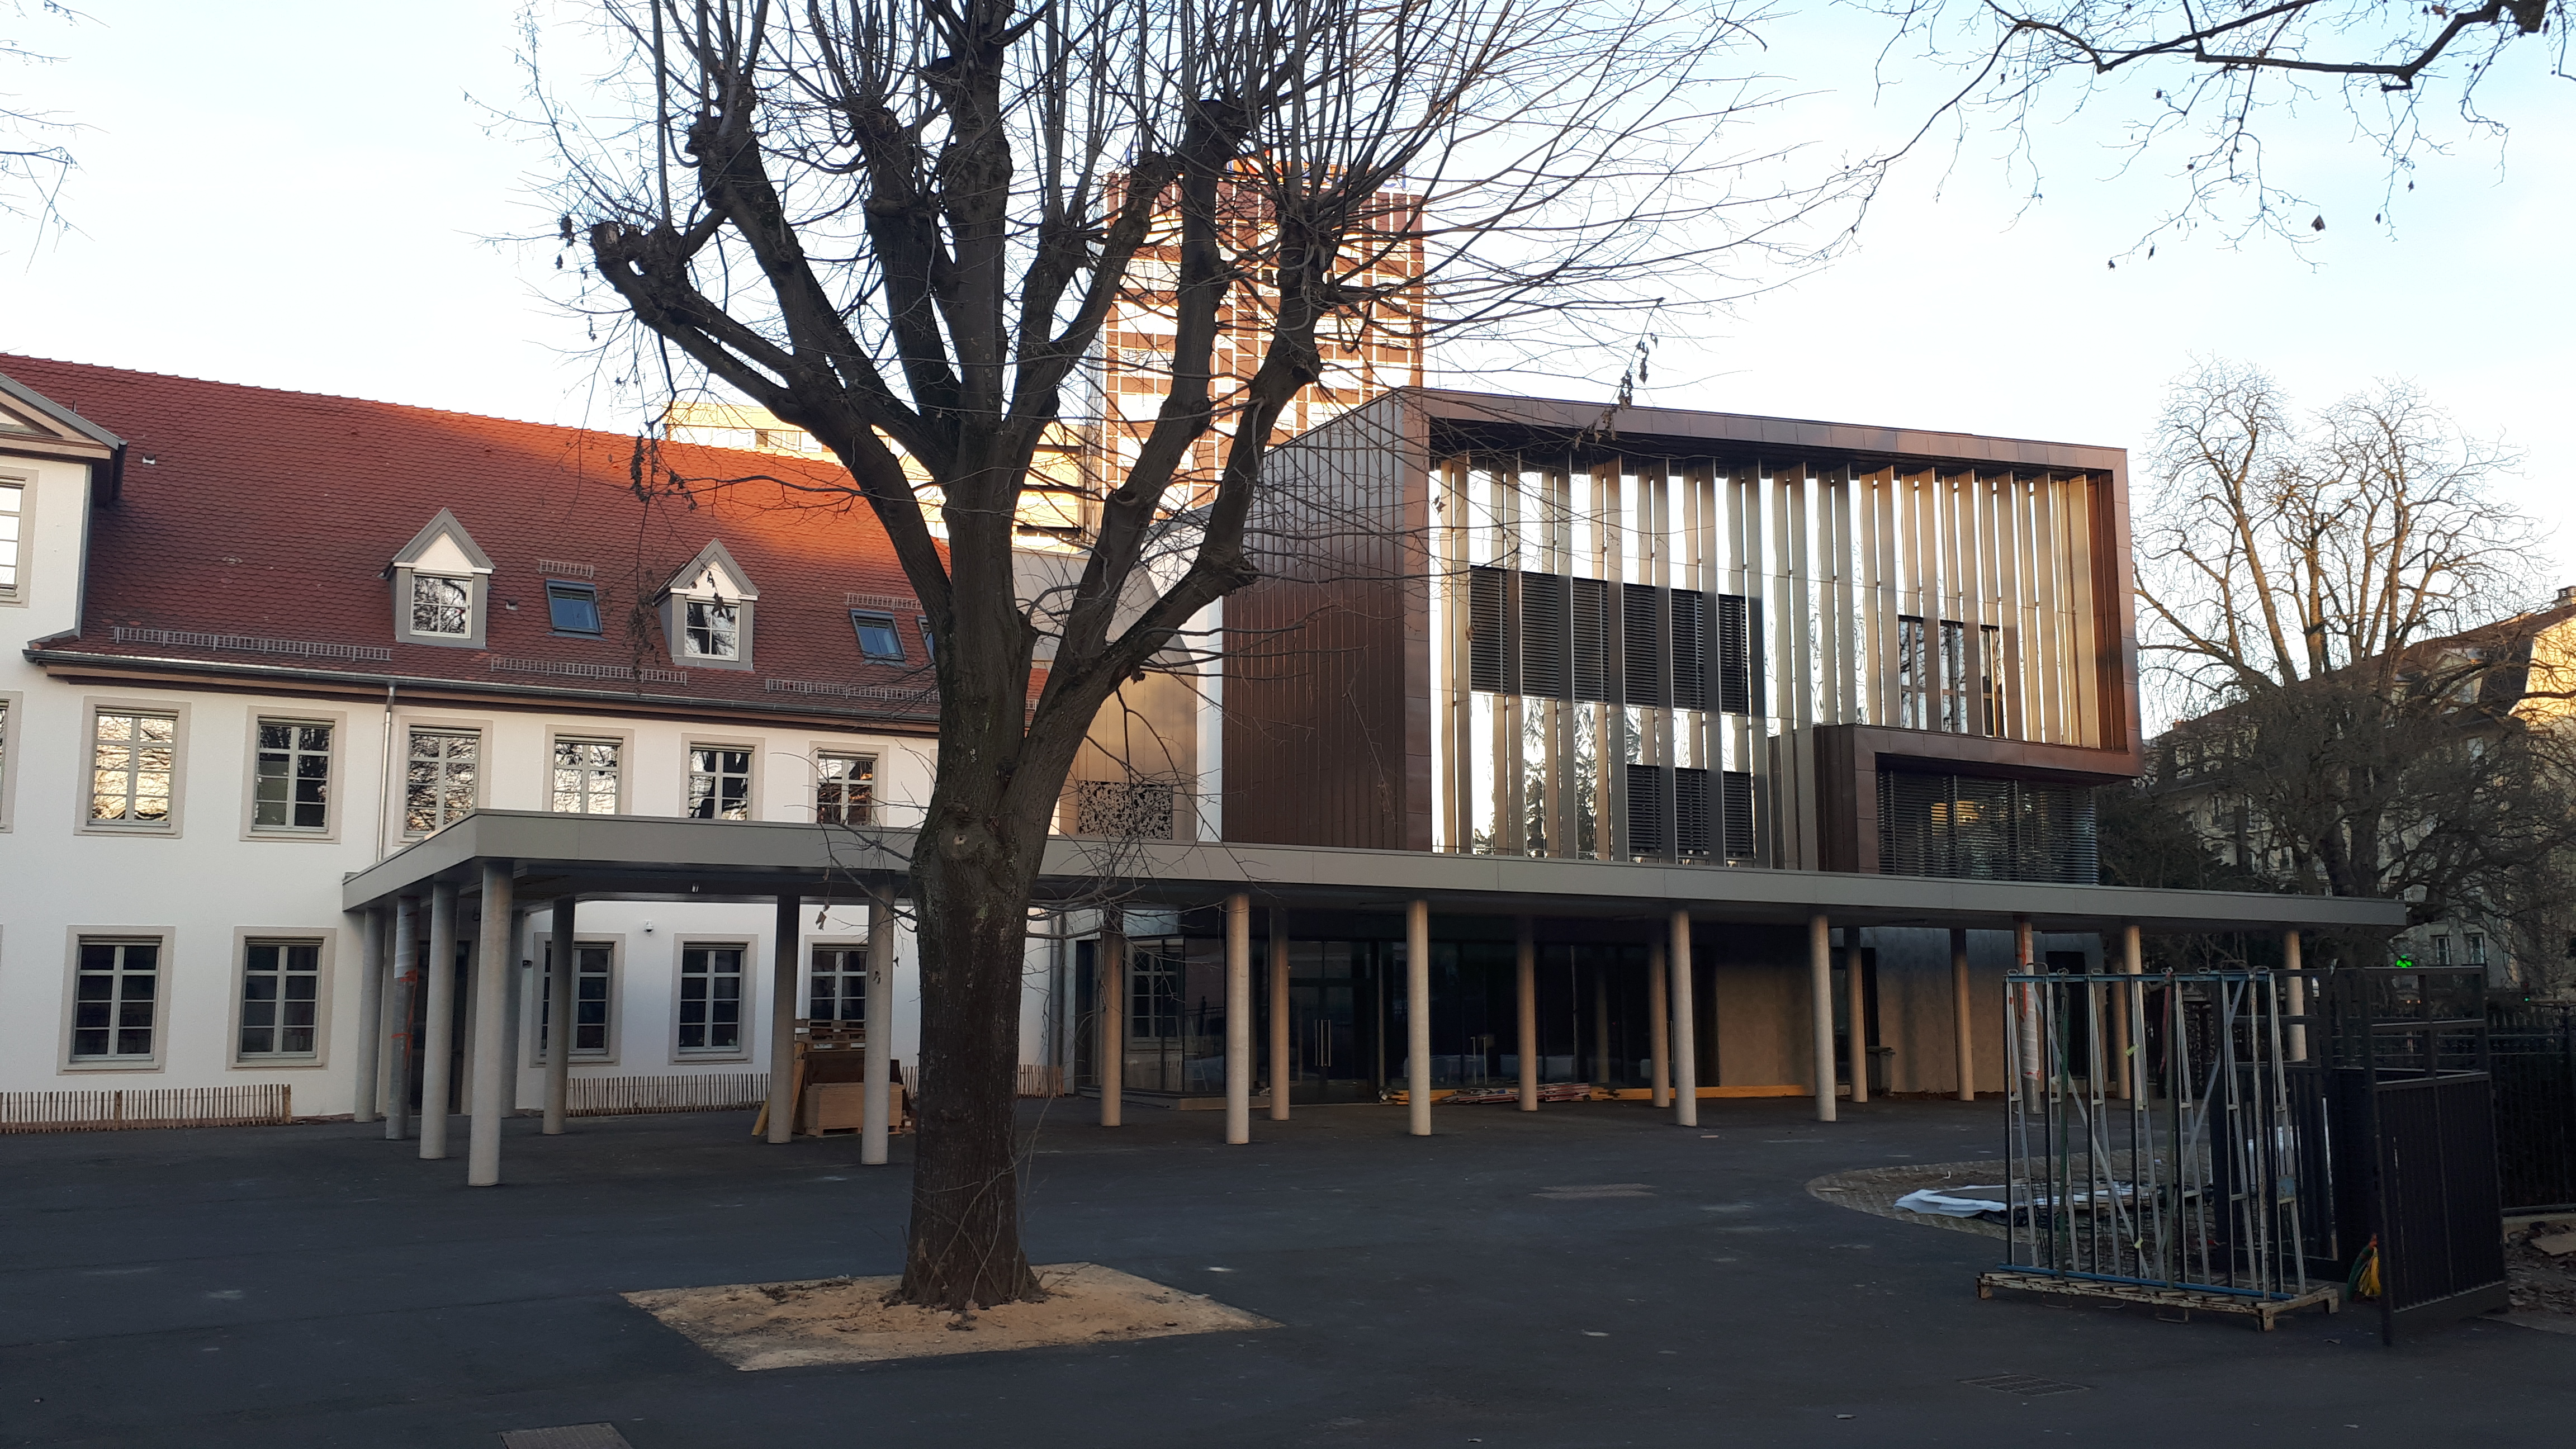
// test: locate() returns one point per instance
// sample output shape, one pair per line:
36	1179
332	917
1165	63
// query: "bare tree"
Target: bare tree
2341	600
899	224
2204	86
35	151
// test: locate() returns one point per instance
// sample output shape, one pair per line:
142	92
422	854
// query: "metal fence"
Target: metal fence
2533	1056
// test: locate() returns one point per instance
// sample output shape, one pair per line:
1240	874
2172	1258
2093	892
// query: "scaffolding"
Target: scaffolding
2151	1150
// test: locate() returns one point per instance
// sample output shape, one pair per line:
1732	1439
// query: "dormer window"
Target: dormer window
572	608
714	630
709	612
442	586
442	605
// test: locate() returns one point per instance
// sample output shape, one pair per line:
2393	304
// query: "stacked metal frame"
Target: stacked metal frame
2151	1152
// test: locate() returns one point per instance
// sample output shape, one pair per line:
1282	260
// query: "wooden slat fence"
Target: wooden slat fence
693	1092
1041	1081
118	1109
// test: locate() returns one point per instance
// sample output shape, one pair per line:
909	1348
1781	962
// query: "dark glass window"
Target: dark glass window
929	646
877	637
281	998
711	998
572	608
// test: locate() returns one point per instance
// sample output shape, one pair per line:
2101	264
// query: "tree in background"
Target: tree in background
899	224
2340	601
35	152
2213	90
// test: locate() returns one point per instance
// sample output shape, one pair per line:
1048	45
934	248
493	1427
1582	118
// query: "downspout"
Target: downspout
385	773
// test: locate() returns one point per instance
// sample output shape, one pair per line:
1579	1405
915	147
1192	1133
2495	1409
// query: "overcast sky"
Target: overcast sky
298	196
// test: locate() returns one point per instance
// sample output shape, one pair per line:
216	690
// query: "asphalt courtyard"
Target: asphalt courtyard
316	1285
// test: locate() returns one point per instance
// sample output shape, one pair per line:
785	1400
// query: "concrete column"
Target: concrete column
438	1033
1417	1015
1820	1009
2033	1073
1855	999
1283	1061
1659	1042
1685	1026
782	1019
2132	1073
394	1061
494	962
876	1093
371	1009
2297	1046
1525	1004
1962	1020
1111	967
562	1004
1238	1019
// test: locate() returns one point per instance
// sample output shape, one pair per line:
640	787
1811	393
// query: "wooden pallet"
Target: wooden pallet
2262	1310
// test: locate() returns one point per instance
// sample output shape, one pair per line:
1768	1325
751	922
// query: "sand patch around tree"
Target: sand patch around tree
847	1320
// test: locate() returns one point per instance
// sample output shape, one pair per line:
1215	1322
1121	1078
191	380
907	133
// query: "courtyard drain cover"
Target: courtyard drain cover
565	1436
2029	1386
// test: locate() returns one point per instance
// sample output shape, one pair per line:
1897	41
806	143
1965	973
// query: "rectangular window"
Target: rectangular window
13	501
291	777
2441	950
1954	676
838	995
714	630
929	646
1990	680
442	605
1913	675
586	777
877	637
114	999
572	608
134	757
711	999
719	783
844	789
281	998
590	984
438	779
2477	949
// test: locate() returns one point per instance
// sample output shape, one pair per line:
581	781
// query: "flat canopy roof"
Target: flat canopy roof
653	858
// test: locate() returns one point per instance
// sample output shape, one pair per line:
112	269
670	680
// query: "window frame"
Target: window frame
534	1026
738	620
400	812
326	942
858	631
16	594
587	591
745	985
625	742
170	828
334	801
815	945
166	938
843	752
751	749
464	585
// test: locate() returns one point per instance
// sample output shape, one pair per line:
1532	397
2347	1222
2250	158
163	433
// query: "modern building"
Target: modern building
1560	751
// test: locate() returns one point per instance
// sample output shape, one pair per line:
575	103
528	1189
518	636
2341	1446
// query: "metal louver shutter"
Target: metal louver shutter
1979	829
1485	630
1646	810
1543	636
1691	819
1738	816
1591	638
1642	641
1734	655
1690	649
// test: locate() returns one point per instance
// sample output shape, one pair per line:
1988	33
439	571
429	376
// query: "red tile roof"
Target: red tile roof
263	515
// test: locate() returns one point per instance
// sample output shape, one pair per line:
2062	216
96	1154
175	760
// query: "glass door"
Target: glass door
1332	1021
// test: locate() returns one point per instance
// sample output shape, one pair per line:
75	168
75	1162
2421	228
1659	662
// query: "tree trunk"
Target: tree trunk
971	875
